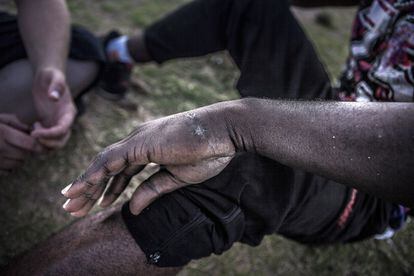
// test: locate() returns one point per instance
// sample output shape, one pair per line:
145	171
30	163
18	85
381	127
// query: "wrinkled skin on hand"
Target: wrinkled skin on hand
54	106
15	143
191	147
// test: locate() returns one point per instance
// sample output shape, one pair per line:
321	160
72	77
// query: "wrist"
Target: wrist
48	63
49	69
238	116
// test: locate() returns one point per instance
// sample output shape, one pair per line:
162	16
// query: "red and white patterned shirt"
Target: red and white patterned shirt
380	66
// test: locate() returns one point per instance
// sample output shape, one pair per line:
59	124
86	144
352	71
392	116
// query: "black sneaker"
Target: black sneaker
116	75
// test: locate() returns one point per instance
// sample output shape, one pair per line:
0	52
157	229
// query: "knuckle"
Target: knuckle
101	158
89	184
83	179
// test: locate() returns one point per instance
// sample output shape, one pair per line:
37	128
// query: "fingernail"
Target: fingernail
55	95
66	204
100	200
66	189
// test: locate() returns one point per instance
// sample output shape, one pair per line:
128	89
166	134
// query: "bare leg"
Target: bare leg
16	81
96	245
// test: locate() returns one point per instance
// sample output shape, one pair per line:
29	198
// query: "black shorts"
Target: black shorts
84	45
253	197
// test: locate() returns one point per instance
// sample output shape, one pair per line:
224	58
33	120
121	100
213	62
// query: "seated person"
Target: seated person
38	82
263	166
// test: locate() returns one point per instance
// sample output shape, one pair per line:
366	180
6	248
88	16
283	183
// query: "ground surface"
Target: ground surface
30	200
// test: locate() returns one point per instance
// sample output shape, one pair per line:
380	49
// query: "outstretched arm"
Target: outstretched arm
369	146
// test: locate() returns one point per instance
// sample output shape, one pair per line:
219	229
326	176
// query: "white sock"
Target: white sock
117	50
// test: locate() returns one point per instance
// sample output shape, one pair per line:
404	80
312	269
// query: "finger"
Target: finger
151	189
86	208
88	204
55	143
20	140
10	164
57	131
75	204
106	164
118	184
13	121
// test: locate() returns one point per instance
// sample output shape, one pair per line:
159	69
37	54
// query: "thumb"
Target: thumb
55	90
56	87
154	187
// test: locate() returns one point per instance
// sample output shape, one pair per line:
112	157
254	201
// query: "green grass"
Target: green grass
178	87
332	43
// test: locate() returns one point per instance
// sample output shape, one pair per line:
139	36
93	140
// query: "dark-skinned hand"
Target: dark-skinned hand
15	143
191	147
55	108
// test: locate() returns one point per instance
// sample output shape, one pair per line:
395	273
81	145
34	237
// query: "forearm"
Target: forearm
369	146
44	27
